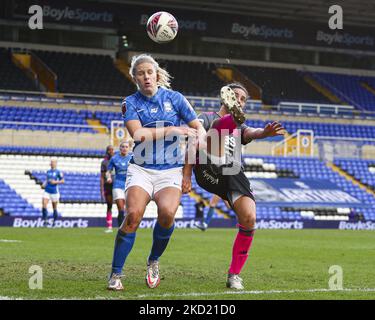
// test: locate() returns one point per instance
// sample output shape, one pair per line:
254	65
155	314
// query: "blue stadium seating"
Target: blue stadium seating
349	88
69	152
78	187
323	129
12	203
33	116
359	169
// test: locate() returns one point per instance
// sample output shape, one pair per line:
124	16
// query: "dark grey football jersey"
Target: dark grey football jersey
232	146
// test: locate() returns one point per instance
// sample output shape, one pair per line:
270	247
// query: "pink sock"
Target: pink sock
109	219
241	248
225	123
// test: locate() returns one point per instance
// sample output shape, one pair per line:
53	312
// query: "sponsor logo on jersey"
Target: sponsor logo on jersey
154	110
210	178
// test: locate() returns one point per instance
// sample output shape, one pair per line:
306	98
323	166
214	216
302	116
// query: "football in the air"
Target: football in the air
162	27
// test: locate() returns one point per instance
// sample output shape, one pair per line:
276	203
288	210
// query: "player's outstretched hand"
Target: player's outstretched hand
273	129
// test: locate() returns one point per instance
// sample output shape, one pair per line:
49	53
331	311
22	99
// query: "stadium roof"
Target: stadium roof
356	12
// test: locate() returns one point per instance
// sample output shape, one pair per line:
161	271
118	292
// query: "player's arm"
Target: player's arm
270	130
190	155
102	175
108	176
103	169
62	179
139	133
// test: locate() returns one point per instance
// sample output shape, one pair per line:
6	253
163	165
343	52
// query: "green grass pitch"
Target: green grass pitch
283	264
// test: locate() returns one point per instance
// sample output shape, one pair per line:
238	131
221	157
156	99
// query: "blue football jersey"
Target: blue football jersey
120	164
53	175
166	108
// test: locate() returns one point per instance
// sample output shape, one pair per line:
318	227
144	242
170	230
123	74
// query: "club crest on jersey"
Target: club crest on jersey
167	106
154	110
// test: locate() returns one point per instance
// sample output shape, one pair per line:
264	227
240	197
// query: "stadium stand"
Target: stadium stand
360	169
21	177
15	78
320	129
23	168
279	167
39	118
350	88
13	204
86	74
79	187
44	151
282	85
193	78
324	129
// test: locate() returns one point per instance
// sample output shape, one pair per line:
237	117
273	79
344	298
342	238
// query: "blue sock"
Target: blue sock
44	213
120	217
161	238
55	214
123	245
210	213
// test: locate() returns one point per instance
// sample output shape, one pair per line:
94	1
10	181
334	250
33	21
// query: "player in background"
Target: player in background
119	163
153	116
51	191
203	225
215	177
106	186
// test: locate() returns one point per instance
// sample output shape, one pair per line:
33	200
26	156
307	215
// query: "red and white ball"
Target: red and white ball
162	27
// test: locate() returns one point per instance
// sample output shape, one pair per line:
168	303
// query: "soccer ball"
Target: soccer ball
162	27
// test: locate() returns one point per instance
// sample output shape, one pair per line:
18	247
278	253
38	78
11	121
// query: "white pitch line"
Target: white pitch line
202	294
9	298
253	292
9	241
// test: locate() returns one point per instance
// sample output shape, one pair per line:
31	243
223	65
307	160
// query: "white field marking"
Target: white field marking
201	294
253	292
9	241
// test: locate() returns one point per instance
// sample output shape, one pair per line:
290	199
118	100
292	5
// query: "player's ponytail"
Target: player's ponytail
163	76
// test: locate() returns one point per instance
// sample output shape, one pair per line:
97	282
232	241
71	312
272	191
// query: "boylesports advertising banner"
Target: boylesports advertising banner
82	223
68	12
133	18
302	193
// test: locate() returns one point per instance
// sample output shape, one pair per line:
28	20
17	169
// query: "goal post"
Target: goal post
300	144
118	133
